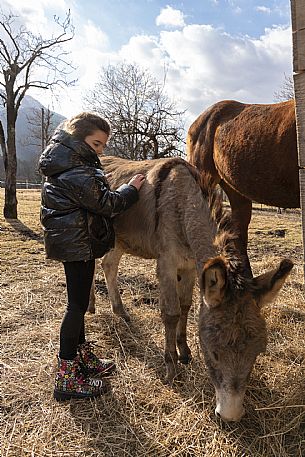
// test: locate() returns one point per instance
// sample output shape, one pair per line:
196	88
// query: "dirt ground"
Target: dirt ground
141	416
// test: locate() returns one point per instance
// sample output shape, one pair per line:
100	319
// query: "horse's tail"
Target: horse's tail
201	137
200	144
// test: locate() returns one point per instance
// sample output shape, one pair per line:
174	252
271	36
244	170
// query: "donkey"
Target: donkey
180	224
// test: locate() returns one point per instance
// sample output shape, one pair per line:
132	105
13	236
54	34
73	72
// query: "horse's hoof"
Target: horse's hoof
91	310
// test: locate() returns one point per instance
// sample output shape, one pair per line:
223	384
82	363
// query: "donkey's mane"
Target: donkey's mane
227	233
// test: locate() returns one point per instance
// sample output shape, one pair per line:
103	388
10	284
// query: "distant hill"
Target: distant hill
28	148
23	128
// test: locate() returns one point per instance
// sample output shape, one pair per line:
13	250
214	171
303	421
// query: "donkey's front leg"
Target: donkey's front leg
110	265
170	312
186	280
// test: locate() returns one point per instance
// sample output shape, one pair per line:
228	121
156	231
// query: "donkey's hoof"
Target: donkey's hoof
172	378
126	317
185	359
169	381
91	309
172	382
122	314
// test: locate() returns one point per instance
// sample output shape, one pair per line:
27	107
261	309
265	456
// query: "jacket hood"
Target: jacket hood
65	152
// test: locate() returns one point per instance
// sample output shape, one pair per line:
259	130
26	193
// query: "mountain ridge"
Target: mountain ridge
28	145
23	127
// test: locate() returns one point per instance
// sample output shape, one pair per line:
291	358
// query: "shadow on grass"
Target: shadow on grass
134	340
145	292
107	422
24	230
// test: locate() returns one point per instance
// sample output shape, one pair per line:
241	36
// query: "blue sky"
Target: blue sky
123	18
212	49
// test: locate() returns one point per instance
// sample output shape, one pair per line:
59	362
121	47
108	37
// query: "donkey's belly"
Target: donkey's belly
136	250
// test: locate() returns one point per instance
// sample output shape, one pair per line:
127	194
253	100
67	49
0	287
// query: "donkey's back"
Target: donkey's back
134	228
156	223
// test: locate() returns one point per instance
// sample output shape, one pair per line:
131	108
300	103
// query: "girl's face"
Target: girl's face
97	141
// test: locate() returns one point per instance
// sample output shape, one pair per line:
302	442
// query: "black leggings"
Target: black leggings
79	277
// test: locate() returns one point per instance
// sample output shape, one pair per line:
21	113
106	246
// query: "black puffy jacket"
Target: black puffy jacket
77	204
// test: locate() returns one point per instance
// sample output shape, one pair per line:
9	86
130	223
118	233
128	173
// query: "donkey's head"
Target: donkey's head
231	328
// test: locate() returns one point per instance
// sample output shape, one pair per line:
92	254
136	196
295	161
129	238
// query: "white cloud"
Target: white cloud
88	50
205	64
202	64
235	7
263	9
33	14
95	37
170	17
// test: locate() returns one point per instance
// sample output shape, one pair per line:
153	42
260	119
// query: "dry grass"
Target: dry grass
141	416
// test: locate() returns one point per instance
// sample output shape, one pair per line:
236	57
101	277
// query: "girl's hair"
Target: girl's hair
84	124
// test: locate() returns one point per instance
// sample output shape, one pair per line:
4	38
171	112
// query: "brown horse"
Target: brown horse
251	151
177	223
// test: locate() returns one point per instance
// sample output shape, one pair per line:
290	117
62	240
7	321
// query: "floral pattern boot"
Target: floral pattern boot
70	382
93	365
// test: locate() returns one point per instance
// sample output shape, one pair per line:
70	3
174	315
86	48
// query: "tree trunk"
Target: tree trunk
2	144
10	165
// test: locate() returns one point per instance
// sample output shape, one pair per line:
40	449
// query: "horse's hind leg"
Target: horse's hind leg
241	208
110	263
186	280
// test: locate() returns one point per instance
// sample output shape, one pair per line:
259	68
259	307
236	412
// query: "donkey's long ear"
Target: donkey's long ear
269	284
213	281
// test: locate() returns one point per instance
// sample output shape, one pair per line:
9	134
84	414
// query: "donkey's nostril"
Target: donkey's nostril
217	414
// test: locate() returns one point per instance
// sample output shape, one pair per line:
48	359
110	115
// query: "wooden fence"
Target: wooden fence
24	185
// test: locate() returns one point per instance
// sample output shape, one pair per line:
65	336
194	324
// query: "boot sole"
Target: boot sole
64	396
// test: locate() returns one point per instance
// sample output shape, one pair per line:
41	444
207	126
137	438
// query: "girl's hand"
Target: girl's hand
137	181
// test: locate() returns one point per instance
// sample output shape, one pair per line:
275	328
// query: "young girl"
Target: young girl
76	214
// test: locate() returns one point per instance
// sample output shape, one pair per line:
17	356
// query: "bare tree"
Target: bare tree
145	122
22	53
286	91
42	122
41	125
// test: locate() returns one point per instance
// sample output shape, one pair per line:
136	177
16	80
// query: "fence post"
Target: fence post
298	40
